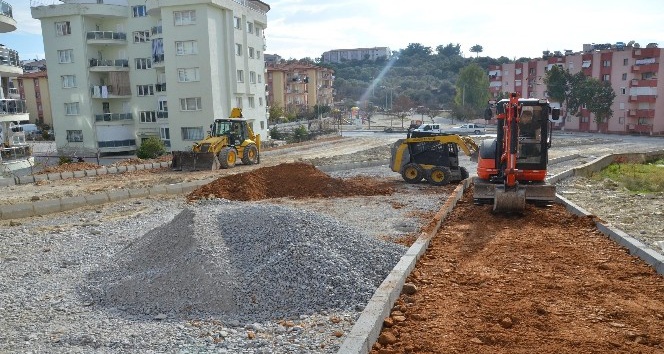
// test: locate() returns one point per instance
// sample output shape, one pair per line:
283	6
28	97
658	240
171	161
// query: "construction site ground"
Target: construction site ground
544	282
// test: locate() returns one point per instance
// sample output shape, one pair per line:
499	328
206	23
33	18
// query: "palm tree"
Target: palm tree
477	49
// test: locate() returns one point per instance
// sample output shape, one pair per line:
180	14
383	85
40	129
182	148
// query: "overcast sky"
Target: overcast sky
516	28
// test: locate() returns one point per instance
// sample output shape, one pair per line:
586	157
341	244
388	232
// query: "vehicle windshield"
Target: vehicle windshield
531	122
221	127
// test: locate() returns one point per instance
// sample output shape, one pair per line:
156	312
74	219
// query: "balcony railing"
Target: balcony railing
110	117
155	30
117	143
162	114
9	56
120	63
160	87
6	9
106	91
13	107
118	36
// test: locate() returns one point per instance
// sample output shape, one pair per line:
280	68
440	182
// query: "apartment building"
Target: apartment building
122	71
33	88
340	55
632	72
12	108
299	87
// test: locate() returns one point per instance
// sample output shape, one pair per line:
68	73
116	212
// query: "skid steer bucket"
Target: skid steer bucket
194	161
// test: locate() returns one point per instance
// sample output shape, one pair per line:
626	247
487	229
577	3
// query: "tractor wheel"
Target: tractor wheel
412	173
227	157
464	173
250	155
439	176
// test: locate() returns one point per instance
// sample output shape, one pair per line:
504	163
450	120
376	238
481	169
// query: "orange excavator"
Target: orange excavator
511	169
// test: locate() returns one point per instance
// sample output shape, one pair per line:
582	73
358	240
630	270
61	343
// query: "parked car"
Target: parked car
432	128
469	128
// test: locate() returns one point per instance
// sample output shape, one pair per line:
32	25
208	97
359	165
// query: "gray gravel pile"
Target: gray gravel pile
247	262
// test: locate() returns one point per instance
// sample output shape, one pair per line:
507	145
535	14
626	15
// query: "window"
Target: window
260	78
251	52
259	30
238	49
621	120
71	109
250	27
190	104
143	63
623	90
145	90
62	28
260	101
238	22
162	104
68	81
186	48
188	75
139	11
252	77
238	102
625	62
183	18
606	77
192	133
75	136
251	102
141	36
624	76
66	56
584	120
240	76
148	117
165	133
643	121
606	63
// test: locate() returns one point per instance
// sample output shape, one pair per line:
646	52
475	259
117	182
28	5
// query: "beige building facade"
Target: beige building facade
33	88
299	87
122	71
632	72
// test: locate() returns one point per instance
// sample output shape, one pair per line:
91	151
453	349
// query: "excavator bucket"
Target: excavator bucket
509	200
194	161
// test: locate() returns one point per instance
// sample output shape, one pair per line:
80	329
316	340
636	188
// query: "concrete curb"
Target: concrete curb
366	330
79	174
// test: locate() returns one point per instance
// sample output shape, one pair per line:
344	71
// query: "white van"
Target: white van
432	128
28	129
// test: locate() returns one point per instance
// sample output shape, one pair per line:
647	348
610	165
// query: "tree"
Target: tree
151	148
276	112
559	86
471	93
596	96
477	49
414	49
401	107
449	49
433	113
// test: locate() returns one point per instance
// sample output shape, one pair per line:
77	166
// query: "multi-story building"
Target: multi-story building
299	87
125	70
12	108
632	72
340	55
33	88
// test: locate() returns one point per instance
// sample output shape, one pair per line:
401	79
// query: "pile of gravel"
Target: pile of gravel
245	261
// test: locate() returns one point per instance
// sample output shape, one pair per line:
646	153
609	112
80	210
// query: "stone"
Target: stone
409	289
387	337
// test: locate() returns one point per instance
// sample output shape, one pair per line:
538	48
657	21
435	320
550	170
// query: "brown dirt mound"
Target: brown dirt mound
294	180
137	161
544	282
70	167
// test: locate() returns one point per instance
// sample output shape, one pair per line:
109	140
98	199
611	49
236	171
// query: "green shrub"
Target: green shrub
64	159
151	148
638	178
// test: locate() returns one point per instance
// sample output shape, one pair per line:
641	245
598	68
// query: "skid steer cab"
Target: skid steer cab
229	140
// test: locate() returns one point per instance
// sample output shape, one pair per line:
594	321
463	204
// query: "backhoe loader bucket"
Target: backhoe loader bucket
194	161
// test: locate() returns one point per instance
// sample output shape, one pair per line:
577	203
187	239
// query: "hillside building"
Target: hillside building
341	55
632	72
33	88
299	87
122	71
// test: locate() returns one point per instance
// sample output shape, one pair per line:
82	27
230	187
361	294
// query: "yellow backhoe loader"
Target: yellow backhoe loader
229	140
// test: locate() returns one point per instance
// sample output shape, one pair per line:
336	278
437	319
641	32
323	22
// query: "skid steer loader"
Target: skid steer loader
431	156
228	140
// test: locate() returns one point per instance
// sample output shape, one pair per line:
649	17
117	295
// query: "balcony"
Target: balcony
106	38
642	113
156	32
7	22
160	87
109	92
93	8
643	98
644	83
109	65
162	114
13	110
113	117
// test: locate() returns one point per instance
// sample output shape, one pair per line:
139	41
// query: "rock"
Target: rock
409	289
338	333
399	318
160	317
35	198
476	340
388	322
506	322
387	337
251	335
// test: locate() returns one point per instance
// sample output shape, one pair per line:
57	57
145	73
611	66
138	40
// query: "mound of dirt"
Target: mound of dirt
294	180
70	167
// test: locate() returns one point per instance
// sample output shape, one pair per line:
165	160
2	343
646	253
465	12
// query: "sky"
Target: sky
515	29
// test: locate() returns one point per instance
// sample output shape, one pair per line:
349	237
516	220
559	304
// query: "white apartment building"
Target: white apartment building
121	71
340	55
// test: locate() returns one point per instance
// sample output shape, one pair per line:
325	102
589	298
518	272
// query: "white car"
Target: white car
469	128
